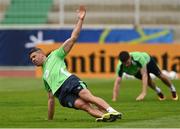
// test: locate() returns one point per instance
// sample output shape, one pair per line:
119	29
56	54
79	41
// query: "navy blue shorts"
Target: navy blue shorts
69	91
151	68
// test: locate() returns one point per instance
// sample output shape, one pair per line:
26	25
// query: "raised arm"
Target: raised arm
51	106
144	83
116	88
68	44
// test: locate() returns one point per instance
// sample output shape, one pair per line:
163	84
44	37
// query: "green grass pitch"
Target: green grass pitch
23	103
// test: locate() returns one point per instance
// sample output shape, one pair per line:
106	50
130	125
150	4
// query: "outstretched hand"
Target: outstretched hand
140	97
81	12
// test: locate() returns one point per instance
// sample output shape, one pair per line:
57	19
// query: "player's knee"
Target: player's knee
80	104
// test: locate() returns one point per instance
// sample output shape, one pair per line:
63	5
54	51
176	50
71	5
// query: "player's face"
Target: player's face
128	62
37	58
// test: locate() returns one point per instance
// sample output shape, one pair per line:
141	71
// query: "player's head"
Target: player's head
37	56
125	58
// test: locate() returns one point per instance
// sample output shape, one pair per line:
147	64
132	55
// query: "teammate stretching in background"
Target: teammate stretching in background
140	64
69	89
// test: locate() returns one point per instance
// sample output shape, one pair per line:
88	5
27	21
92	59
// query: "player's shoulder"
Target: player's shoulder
58	51
138	54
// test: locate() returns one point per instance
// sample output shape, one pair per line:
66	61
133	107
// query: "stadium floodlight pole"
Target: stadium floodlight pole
61	13
137	12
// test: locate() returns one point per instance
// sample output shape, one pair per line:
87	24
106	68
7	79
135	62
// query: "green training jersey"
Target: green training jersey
139	60
54	70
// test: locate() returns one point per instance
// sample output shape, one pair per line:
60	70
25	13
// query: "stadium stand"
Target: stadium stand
99	12
27	12
3	6
106	12
160	11
120	11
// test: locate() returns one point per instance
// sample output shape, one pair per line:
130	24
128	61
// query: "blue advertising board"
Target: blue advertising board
15	44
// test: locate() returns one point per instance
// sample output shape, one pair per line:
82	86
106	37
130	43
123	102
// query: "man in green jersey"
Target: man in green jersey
140	65
69	89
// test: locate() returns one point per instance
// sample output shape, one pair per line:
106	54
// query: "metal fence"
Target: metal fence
101	12
115	12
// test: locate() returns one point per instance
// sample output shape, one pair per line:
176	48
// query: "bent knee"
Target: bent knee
80	104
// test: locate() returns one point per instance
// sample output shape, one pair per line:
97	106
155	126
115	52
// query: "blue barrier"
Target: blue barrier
15	44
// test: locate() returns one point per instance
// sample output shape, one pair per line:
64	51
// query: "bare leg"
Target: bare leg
93	111
112	114
168	83
153	86
86	95
165	80
100	109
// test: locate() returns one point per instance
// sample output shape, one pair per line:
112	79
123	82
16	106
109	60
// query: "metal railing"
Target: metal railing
116	12
111	12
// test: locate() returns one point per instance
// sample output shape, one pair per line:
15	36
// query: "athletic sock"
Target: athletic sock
110	110
173	89
158	90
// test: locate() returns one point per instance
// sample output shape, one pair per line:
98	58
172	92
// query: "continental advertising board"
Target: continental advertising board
99	61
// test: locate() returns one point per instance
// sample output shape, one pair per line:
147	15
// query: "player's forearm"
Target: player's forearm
116	89
144	79
75	34
51	105
145	83
115	92
70	42
77	29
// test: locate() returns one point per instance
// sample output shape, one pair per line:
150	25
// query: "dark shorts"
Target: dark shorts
151	68
69	91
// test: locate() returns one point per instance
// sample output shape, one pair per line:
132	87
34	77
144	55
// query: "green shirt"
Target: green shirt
139	60
54	70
